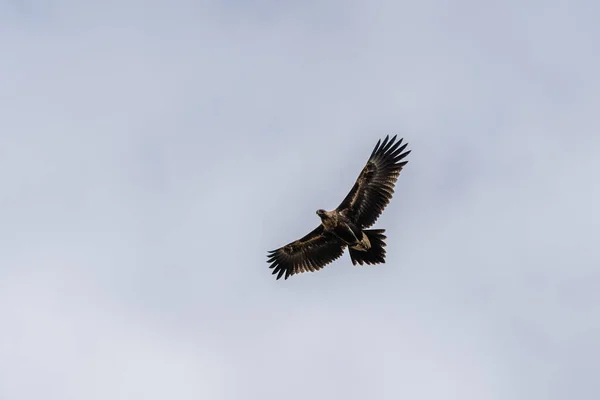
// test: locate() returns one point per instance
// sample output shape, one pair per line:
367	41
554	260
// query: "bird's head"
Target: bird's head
322	213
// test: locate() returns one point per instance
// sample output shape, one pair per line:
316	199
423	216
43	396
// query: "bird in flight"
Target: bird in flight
346	226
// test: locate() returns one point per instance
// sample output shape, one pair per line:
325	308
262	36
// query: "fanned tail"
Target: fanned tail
374	255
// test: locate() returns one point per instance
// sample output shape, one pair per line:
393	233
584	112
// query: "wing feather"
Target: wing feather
309	253
374	187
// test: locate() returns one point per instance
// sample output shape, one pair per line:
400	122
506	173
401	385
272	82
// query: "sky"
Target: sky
151	153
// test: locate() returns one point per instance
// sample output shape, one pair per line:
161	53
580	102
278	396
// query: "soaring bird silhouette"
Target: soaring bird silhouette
346	226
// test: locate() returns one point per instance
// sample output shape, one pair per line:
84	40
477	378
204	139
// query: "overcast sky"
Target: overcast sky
152	152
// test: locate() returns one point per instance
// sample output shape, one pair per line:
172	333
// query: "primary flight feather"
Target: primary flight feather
346	226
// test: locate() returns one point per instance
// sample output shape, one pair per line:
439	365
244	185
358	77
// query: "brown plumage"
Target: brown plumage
346	225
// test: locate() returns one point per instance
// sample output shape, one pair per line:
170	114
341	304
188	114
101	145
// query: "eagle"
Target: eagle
346	226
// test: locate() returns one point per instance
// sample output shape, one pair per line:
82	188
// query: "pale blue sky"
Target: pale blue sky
152	152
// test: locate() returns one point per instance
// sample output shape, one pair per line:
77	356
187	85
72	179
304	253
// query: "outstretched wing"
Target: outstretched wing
310	253
374	187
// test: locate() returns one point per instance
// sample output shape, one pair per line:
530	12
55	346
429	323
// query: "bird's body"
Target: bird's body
344	229
346	226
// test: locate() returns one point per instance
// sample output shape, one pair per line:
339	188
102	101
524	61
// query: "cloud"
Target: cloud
152	153
61	340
